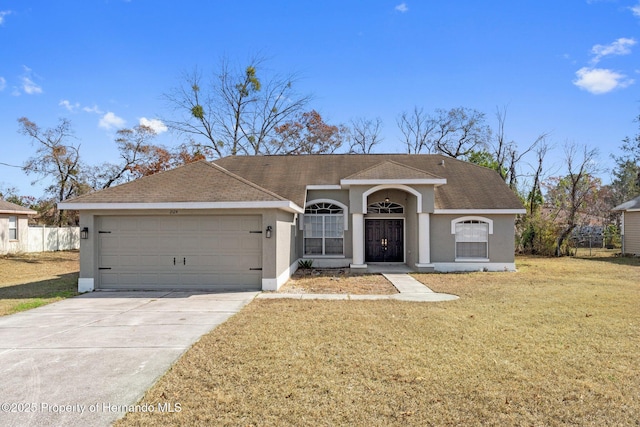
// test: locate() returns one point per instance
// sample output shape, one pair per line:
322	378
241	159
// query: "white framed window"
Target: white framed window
385	208
472	237
13	228
323	229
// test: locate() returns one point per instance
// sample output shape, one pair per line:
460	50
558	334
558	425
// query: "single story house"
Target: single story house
14	227
244	222
630	230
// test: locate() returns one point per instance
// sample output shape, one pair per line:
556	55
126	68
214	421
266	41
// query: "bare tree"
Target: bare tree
364	135
237	110
569	194
459	131
134	145
507	154
534	198
55	158
455	133
416	128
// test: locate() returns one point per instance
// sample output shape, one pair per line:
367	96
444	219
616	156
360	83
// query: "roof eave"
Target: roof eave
345	183
496	211
285	205
16	212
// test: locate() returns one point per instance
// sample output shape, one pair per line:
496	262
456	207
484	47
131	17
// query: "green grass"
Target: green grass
29	304
31	280
16	298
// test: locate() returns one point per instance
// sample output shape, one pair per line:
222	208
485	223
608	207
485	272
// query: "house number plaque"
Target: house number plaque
173	212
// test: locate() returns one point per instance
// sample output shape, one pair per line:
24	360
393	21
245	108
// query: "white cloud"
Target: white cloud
3	83
636	10
4	13
622	46
29	86
110	121
402	7
155	124
68	105
93	109
600	80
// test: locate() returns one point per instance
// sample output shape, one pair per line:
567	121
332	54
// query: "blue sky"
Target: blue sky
570	67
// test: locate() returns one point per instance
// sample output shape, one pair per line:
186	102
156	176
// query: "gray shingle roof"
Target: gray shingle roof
195	182
468	186
284	178
12	208
631	204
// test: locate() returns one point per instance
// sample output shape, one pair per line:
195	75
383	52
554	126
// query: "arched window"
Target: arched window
385	208
324	229
472	237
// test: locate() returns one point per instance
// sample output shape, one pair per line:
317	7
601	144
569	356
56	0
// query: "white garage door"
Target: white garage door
180	252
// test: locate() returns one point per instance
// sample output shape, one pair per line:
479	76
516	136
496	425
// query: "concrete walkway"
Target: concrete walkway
409	290
82	361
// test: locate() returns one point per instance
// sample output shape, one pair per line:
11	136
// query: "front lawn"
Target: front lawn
557	343
30	280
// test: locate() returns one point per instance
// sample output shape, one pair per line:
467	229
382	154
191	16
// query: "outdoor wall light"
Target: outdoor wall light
84	233
269	229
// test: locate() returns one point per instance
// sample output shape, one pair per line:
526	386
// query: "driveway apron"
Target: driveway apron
83	361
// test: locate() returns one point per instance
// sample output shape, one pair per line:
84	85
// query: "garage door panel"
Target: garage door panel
108	280
109	260
164	279
250	242
251	223
213	224
192	224
191	245
108	243
211	252
243	242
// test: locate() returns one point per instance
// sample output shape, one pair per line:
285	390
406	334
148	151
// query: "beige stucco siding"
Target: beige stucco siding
21	244
501	242
285	236
632	232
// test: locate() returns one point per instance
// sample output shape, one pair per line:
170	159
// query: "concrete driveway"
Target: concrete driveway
82	361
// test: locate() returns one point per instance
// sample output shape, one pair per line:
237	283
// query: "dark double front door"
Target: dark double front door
384	240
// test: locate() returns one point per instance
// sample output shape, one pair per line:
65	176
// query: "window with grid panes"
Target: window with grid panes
472	239
13	228
323	229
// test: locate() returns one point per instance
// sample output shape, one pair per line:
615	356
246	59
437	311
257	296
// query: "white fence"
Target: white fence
49	239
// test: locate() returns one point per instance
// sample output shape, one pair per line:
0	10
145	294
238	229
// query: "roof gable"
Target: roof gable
390	170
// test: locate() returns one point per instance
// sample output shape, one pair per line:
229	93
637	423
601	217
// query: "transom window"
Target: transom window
385	208
472	239
323	229
13	228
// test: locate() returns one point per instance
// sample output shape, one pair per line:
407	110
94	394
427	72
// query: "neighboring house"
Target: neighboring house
630	230
14	227
243	222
